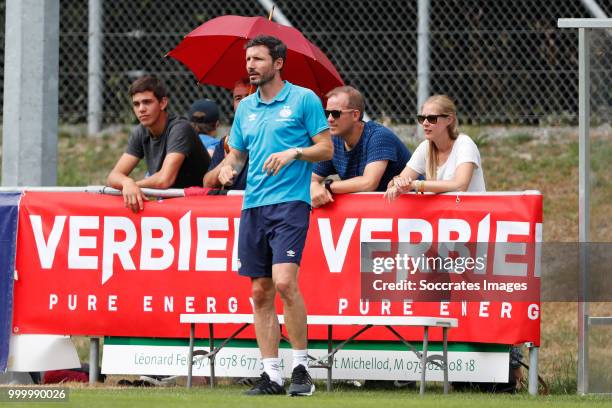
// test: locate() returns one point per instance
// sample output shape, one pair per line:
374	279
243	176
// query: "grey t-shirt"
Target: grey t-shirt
178	137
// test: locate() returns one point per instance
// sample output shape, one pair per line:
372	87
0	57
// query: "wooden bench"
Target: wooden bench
326	361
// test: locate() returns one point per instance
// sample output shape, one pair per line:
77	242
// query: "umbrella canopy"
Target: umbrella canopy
215	53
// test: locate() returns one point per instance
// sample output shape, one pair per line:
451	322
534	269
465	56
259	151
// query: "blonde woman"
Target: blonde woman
450	161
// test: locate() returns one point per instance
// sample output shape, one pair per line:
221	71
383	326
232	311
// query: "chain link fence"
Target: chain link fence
505	62
600	76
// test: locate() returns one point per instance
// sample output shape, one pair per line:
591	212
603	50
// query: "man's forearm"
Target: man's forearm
236	159
211	179
354	185
116	180
157	181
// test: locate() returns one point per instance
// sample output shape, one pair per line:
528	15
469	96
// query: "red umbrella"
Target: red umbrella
215	53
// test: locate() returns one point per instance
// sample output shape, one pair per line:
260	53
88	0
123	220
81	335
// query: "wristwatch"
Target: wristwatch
298	152
328	184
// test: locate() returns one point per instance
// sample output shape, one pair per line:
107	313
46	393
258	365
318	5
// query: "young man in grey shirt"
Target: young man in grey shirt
174	155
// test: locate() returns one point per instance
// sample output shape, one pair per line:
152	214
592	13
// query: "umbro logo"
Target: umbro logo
290	253
252	117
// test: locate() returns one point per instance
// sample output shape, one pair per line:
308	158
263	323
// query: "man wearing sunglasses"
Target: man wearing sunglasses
366	155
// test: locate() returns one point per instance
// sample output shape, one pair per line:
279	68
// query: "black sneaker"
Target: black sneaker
266	387
301	383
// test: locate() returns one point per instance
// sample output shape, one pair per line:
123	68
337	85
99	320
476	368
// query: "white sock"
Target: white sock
300	357
272	368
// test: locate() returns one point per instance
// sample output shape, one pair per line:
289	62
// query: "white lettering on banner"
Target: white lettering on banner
185	244
452	235
385	307
506	308
504	230
111	247
342	304
505	312
235	247
205	243
156	236
168	303
232	305
407	308
189	304
52	300
405	228
444	309
156	304
78	242
446	243
146	303
112	300
482	246
91	302
149	243
408	226
533	311
484	309
336	254
210	304
370	225
46	250
72	302
364	307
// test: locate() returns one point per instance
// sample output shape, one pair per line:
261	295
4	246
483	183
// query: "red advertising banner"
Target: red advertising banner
88	266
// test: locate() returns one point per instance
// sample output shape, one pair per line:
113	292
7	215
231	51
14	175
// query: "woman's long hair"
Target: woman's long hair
447	107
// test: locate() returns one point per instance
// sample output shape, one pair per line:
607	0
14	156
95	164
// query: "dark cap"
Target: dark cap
204	111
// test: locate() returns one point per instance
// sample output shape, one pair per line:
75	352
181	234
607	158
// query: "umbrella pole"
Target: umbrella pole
271	12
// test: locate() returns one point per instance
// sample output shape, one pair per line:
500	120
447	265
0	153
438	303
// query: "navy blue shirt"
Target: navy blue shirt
377	143
218	156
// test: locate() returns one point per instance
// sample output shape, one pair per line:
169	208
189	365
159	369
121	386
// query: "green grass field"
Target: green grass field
231	396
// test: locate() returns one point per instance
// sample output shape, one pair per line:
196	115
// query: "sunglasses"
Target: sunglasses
336	113
433	119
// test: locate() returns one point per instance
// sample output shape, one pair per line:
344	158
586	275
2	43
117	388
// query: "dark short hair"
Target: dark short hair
149	83
355	98
276	47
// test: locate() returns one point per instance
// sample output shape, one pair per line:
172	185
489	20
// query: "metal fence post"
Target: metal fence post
584	201
94	352
94	78
533	369
423	56
30	107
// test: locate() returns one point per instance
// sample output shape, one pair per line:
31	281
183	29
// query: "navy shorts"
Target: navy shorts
271	234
